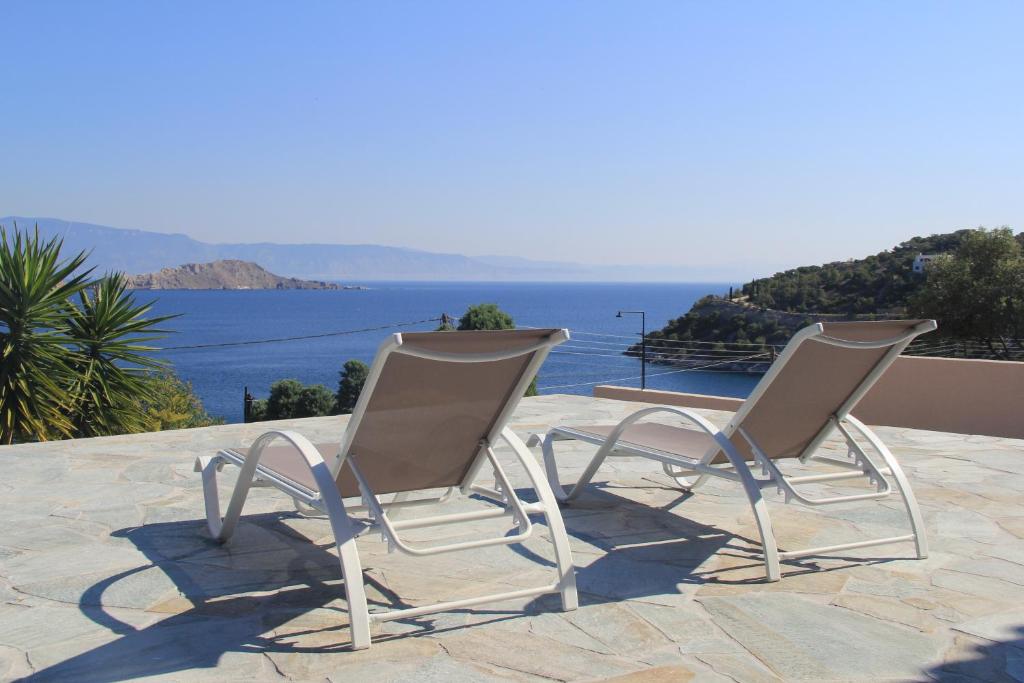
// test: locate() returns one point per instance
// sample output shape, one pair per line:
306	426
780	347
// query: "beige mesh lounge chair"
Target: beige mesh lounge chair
433	406
805	397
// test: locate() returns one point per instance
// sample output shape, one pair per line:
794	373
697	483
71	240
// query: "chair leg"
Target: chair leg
682	482
764	526
910	502
902	483
563	496
553	518
221	528
341	524
351	569
758	505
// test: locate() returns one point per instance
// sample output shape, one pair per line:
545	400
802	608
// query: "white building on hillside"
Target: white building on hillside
921	261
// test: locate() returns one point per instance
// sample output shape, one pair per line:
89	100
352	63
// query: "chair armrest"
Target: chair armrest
689	415
222	529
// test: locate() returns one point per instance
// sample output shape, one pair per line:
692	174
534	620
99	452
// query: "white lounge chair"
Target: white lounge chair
804	398
432	409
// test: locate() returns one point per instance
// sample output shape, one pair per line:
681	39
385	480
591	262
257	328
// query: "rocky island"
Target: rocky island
225	274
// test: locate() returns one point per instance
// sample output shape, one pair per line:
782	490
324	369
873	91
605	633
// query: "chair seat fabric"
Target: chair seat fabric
686	443
288	463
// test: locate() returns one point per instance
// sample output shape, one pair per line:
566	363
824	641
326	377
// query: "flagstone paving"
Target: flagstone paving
107	574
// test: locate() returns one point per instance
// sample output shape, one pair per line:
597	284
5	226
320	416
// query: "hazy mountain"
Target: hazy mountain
140	251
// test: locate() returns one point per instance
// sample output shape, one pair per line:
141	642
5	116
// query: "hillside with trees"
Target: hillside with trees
878	283
976	294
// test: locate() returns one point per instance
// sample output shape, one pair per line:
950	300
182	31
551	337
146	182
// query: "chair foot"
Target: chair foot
570	598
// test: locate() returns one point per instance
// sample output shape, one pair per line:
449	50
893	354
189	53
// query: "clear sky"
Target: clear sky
759	134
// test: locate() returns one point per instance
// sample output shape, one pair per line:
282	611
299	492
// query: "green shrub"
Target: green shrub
485	317
350	385
174	405
290	398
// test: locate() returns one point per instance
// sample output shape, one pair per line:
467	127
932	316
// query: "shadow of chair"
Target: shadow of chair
1001	660
660	549
292	576
657	551
219	613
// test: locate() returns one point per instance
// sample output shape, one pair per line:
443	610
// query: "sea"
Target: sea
225	342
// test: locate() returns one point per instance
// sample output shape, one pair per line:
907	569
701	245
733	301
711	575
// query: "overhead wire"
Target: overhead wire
275	340
626	379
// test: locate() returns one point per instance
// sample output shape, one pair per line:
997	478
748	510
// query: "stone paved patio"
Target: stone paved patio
106	574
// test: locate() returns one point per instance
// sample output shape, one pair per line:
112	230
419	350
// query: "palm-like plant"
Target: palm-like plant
108	332
36	287
72	349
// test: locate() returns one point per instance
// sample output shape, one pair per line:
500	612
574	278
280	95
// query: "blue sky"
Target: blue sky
751	135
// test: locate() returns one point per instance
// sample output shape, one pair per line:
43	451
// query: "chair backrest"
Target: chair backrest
821	374
431	399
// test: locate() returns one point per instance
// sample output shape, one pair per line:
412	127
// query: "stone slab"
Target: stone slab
107	573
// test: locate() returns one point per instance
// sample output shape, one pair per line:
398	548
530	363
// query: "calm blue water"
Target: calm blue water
220	374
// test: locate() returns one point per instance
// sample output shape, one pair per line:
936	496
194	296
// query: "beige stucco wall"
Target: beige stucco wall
940	394
668	398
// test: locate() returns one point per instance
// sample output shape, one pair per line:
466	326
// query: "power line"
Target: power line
659	358
655	345
626	379
298	338
586	344
655	341
595	366
618	356
594	355
661	340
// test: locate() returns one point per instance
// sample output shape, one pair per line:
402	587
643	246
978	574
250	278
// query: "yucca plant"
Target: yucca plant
36	287
111	372
73	358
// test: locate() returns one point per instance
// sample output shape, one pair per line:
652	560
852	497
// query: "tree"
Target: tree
485	317
350	385
35	291
314	400
110	369
284	396
979	291
290	399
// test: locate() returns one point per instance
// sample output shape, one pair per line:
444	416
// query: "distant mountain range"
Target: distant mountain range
140	251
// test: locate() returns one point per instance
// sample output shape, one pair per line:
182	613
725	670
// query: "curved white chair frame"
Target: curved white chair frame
381	516
858	463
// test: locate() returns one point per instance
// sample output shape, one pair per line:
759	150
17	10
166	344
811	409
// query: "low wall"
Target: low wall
668	398
939	394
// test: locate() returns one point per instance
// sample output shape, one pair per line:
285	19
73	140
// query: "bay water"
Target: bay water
219	374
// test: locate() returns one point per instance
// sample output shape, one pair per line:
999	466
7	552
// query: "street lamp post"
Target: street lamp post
643	345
